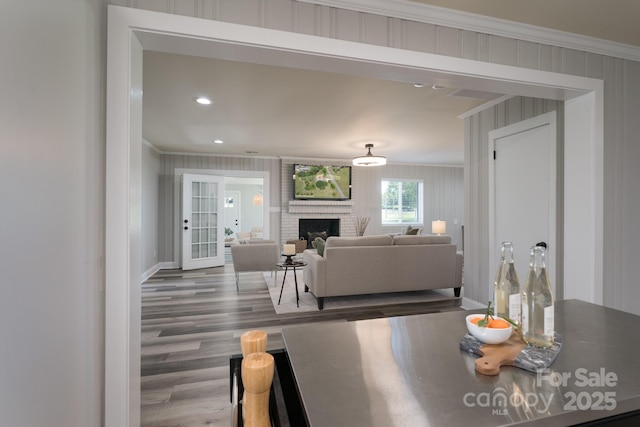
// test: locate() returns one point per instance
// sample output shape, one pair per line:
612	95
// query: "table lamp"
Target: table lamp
438	227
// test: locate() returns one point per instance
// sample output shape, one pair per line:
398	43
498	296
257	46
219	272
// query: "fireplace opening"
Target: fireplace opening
310	228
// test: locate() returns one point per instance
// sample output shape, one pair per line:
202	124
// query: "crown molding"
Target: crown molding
435	15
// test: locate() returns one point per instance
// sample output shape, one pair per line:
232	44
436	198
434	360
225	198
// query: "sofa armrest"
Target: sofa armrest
315	272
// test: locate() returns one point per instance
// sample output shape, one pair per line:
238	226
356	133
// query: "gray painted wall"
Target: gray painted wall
622	106
52	174
150	193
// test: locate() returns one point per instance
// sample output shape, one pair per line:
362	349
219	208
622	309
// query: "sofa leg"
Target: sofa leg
320	303
306	288
456	291
237	282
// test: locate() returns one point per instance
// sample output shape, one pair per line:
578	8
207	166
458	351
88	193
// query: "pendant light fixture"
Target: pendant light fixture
369	159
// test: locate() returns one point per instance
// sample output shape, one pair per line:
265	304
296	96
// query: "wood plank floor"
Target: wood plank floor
191	324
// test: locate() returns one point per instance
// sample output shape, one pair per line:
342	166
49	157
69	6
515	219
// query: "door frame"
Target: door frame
177	200
546	119
132	30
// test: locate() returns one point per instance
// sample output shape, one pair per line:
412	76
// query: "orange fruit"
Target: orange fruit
498	324
475	320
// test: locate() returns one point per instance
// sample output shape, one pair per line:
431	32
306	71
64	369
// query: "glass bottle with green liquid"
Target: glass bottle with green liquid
537	302
506	286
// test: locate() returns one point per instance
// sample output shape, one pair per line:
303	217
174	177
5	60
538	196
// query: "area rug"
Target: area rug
309	303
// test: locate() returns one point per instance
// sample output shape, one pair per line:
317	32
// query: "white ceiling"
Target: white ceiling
266	110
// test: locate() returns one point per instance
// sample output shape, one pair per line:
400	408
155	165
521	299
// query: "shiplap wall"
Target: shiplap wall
622	105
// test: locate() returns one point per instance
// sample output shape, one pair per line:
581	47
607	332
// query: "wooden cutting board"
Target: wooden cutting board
513	352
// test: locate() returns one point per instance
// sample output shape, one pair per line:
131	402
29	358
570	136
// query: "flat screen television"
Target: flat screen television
316	182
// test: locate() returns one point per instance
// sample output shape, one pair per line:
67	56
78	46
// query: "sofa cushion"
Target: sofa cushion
311	235
382	240
421	240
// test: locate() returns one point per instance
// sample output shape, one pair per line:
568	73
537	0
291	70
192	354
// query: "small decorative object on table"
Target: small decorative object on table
289	251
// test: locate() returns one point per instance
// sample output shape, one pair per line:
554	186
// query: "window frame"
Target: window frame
419	220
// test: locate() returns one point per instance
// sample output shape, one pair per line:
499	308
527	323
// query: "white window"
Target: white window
401	201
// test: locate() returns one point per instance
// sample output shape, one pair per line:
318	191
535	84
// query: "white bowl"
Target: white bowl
488	335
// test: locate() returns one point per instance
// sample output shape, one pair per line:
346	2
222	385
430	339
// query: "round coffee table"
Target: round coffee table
292	265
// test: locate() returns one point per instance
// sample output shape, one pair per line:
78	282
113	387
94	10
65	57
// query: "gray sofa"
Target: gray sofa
378	264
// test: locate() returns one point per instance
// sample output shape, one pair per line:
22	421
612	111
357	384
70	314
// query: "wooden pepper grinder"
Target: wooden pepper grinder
257	376
254	341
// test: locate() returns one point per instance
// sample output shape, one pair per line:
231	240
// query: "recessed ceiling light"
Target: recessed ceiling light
418	85
218	141
203	100
438	87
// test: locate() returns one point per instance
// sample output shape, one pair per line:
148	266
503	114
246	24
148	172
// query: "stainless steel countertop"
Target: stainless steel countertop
409	371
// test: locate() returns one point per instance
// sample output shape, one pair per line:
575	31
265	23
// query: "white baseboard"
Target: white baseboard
169	265
150	272
160	266
469	304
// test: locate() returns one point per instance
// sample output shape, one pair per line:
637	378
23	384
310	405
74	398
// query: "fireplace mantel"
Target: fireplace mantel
323	206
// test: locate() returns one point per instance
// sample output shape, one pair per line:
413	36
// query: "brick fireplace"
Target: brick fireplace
309	228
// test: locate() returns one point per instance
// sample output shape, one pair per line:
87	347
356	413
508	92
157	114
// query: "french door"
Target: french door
202	221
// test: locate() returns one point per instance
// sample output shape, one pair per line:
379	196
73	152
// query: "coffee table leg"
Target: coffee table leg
295	279
283	279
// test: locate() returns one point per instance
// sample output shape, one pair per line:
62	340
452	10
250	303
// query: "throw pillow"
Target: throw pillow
318	244
312	235
412	231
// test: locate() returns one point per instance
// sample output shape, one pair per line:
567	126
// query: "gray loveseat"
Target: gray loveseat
378	264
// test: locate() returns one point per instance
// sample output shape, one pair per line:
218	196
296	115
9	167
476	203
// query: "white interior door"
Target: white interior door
523	192
232	211
202	221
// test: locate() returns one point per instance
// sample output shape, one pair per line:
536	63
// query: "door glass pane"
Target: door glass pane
204	220
204	250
